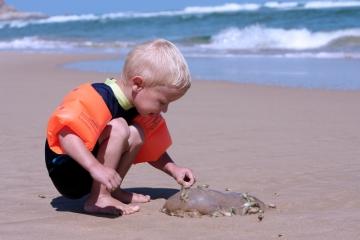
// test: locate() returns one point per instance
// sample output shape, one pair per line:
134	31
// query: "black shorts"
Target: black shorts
69	178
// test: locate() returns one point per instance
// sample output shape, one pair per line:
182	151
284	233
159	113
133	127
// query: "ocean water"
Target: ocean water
287	36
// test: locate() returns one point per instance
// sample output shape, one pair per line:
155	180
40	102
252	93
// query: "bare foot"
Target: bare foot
110	206
128	197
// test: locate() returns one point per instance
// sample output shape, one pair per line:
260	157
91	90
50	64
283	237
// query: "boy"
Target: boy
94	136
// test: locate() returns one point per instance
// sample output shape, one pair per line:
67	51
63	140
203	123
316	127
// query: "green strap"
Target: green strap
119	94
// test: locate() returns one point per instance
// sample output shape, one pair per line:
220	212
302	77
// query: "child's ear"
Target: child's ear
137	83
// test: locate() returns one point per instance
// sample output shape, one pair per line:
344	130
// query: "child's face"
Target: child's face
154	100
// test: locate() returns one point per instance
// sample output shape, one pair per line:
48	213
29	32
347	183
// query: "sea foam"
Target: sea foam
229	7
37	43
34	43
257	37
281	5
331	4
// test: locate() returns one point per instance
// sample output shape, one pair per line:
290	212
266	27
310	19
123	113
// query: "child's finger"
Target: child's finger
185	181
181	181
114	184
186	184
108	186
117	180
191	178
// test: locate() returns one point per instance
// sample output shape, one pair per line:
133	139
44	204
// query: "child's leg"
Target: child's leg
113	143
135	143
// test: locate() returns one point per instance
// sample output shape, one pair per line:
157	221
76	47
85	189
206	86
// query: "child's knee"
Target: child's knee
116	129
136	139
120	128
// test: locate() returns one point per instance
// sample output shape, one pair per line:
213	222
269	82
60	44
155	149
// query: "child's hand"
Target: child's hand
107	176
184	176
75	147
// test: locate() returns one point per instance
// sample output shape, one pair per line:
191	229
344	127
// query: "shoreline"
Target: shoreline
296	148
308	73
85	62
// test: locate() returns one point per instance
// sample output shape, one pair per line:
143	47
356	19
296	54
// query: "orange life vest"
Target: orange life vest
156	138
84	111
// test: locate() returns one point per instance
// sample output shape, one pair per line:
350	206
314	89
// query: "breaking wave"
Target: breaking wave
256	37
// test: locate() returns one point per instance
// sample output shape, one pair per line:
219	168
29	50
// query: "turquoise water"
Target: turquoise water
313	27
298	41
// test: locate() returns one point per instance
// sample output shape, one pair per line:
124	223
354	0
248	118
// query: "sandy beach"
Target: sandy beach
296	148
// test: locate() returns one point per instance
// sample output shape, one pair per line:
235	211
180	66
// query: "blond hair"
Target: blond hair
158	62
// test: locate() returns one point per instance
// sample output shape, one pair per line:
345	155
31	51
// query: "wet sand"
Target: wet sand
296	148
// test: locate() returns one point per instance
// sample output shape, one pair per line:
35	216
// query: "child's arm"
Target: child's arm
76	149
183	176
